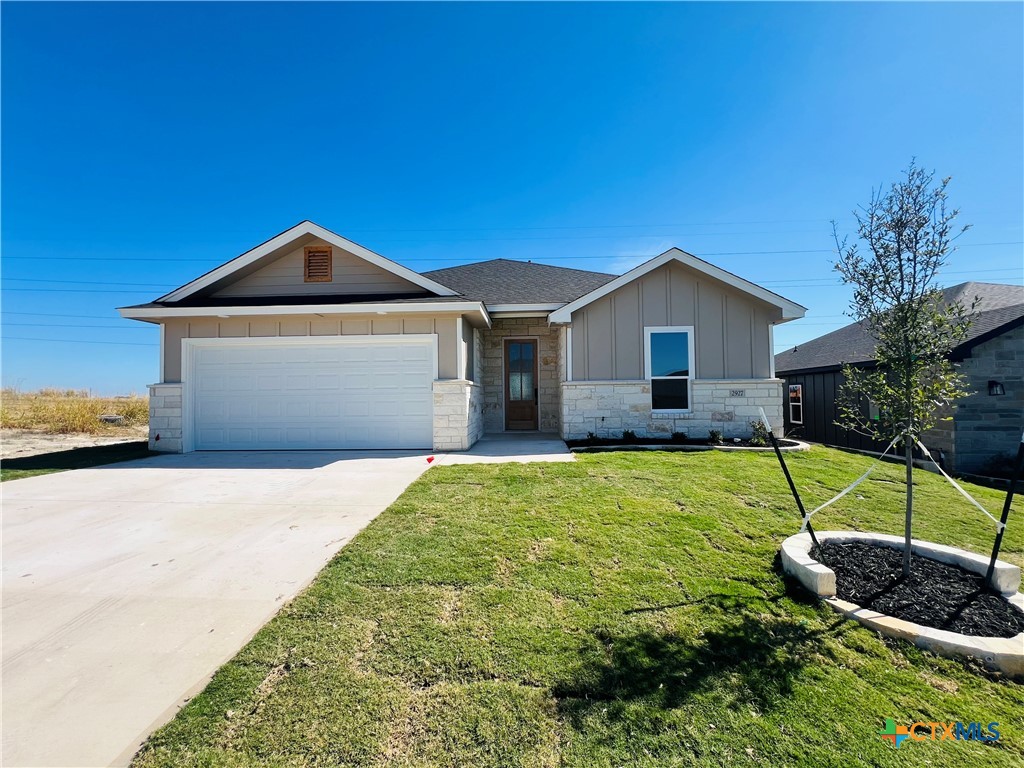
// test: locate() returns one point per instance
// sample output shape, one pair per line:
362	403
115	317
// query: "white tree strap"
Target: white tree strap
999	525
858	481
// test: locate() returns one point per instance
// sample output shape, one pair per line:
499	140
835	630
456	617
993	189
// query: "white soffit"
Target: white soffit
475	309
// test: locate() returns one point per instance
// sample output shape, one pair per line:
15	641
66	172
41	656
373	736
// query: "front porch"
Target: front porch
548	372
512	447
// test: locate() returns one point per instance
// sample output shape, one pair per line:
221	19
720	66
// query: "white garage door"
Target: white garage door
355	392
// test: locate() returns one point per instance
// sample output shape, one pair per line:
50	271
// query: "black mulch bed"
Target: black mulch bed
584	443
934	595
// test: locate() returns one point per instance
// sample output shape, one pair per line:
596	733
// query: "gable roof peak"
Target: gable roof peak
790	309
284	239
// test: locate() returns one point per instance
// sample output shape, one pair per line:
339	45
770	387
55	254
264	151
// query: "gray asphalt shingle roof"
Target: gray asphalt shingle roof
1000	304
503	281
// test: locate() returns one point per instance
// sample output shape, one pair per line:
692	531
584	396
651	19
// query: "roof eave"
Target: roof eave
962	351
475	309
831	367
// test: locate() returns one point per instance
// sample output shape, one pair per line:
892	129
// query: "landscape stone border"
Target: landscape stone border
1005	654
800	446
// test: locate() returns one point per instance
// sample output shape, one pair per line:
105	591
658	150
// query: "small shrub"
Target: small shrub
628	436
759	433
134	409
715	436
591	438
678	437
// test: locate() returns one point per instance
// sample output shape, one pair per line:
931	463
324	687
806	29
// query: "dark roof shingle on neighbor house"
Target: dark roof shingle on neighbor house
1000	305
504	281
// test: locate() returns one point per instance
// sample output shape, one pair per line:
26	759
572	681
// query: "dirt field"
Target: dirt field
69	411
15	443
51	420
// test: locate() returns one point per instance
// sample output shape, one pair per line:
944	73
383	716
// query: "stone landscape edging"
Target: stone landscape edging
800	446
1003	653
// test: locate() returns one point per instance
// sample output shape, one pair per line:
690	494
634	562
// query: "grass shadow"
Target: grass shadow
78	458
750	659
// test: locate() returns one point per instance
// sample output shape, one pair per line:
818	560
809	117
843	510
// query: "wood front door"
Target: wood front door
520	384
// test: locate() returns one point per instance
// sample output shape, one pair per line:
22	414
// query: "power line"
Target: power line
53	314
602	226
78	290
454	258
793	282
132	327
79	341
76	282
475	258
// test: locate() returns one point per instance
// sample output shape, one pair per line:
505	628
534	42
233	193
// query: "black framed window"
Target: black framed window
669	366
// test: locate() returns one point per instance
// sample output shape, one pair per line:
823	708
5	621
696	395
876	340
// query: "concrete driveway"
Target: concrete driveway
126	587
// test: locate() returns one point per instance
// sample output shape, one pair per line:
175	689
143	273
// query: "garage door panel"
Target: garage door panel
326	381
242	410
355	409
210	410
297	409
298	383
417	409
326	408
354	381
272	435
268	409
269	383
366	394
240	434
209	435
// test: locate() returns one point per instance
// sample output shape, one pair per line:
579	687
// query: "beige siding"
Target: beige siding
468	350
285	276
205	328
731	329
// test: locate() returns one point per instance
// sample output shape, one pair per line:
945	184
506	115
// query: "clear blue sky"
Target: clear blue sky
144	144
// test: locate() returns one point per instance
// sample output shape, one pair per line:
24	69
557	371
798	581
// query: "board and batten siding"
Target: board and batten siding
285	276
732	339
445	326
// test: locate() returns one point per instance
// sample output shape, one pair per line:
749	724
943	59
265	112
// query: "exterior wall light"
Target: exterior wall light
995	388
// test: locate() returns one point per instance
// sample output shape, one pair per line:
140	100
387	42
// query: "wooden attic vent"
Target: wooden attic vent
318	264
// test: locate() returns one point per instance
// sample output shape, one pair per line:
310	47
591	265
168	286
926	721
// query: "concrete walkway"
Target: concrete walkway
125	587
504	447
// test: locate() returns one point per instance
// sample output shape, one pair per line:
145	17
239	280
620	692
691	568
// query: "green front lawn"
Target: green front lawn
622	610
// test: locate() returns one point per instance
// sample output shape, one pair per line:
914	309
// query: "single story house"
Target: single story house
982	430
310	341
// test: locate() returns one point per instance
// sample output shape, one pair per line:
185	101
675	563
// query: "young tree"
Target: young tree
904	237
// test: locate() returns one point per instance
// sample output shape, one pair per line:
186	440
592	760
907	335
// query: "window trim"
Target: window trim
330	263
789	402
649	330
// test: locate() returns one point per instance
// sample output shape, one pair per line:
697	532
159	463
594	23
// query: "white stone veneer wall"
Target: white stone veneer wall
458	414
606	408
165	417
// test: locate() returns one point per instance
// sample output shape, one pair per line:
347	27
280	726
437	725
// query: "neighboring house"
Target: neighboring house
984	427
312	341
